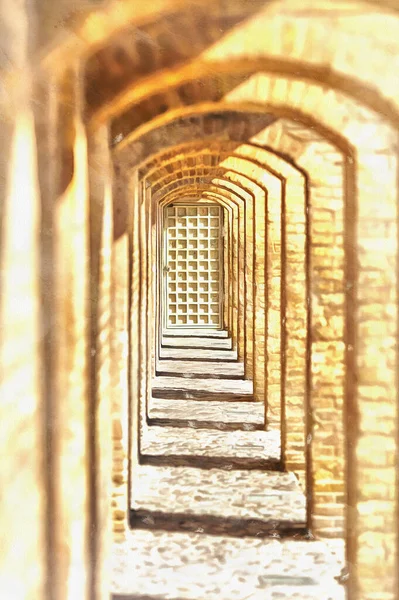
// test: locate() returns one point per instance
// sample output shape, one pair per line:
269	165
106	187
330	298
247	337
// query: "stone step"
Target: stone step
197	342
237	502
210	448
195	332
163	565
200	369
211	415
211	354
228	390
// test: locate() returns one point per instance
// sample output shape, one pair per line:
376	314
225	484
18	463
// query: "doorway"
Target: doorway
192	266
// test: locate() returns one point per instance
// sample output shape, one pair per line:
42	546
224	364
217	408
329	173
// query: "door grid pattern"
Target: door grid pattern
193	276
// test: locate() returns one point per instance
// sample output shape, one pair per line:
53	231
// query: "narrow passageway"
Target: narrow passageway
199	317
212	513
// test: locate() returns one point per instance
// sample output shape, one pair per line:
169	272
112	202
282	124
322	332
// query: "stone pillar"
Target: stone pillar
226	262
119	384
134	328
372	411
100	190
143	284
67	299
23	556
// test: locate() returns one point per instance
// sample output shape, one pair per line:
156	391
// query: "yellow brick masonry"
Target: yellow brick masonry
243	255
301	88
323	163
236	202
375	282
329	65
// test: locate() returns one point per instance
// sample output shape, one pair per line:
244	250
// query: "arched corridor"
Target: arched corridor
199	312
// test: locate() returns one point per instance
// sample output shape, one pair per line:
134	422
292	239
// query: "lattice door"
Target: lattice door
192	258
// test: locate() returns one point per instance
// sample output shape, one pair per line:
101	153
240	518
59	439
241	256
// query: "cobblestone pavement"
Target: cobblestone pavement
182	342
216	414
235	494
203	369
197	354
261	446
211	389
193	566
202	332
214	518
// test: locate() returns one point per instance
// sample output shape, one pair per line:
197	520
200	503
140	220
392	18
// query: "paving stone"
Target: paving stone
193	566
197	354
219	415
195	332
197	342
202	389
210	448
210	522
235	502
200	369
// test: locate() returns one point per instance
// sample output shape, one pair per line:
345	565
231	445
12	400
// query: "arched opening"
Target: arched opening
249	436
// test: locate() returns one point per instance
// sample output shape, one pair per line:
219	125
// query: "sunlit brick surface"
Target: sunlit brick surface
284	117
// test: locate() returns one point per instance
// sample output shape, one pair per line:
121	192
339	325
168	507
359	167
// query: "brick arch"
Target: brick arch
244	193
321	463
366	139
237	199
200	173
371	222
216	123
85	30
194	159
257	53
323	523
295	413
247	107
257	174
246	342
348	116
233	204
186	148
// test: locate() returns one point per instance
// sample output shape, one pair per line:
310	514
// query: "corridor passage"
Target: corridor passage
199	300
212	513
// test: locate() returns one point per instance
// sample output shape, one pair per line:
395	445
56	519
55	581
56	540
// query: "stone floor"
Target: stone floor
246	449
194	566
213	516
211	414
197	354
197	342
202	389
254	502
201	369
202	332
